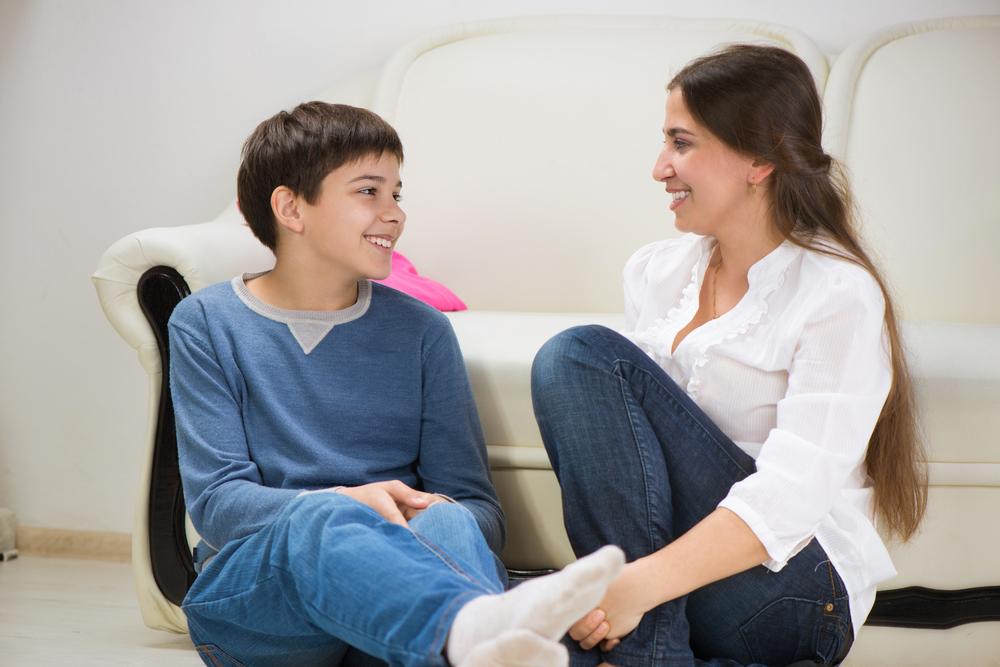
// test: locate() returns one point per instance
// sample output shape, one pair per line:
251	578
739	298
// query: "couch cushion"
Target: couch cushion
955	368
499	348
529	146
913	114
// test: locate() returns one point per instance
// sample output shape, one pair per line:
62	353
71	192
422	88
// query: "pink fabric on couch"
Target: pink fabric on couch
404	277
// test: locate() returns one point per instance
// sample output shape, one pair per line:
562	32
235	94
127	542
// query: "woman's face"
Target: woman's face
709	181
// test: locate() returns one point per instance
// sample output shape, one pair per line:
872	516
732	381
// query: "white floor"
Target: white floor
55	611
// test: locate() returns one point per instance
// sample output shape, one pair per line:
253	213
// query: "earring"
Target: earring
753	187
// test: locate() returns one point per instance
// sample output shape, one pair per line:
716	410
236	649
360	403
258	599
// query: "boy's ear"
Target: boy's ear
285	207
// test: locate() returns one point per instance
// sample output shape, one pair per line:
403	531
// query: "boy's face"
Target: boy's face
356	220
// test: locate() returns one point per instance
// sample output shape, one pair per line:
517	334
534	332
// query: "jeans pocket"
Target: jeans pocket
792	629
214	656
833	641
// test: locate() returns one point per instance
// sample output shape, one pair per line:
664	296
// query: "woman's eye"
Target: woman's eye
398	197
680	144
367	191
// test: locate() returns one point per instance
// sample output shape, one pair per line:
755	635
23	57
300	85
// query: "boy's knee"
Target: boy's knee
312	511
445	518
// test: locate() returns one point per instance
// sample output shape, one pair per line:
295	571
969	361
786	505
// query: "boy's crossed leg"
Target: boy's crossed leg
330	572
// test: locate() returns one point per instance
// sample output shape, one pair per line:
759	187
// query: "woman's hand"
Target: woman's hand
395	501
718	546
619	612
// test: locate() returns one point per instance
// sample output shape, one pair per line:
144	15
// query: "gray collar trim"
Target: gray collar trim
309	327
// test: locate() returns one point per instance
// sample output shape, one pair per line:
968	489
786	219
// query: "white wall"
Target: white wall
120	115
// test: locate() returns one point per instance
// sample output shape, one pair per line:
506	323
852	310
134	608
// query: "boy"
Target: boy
329	445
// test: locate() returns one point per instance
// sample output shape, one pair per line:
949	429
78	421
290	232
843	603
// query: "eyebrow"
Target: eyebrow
674	131
377	179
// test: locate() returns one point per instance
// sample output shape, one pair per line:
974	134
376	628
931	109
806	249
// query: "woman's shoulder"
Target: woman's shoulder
664	254
833	276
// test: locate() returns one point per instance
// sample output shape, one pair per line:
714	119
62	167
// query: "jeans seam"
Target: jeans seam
443	557
441	629
430	548
211	651
642	460
833	584
622	384
683	409
433	548
373	639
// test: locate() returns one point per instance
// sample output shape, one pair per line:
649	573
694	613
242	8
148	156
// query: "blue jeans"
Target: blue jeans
330	582
640	464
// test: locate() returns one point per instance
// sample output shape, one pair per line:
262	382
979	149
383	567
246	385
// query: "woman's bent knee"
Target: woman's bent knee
561	354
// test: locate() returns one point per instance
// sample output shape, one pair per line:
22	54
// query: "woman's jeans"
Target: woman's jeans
640	464
331	582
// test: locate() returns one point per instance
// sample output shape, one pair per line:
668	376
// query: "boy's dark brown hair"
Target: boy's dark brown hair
297	149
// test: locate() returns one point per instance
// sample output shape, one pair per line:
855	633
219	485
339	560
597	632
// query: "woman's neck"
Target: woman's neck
739	249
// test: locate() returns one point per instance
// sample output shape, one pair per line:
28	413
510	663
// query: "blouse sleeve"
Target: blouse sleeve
838	381
635	280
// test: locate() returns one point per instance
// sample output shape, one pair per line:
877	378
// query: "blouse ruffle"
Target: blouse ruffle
765	277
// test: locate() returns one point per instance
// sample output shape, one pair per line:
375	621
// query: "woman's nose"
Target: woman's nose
663	168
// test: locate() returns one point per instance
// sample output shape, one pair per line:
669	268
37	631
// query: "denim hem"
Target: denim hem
447	619
619	659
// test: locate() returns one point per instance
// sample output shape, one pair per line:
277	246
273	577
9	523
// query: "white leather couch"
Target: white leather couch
529	145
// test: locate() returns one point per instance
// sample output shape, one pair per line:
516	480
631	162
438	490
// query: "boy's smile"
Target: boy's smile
356	221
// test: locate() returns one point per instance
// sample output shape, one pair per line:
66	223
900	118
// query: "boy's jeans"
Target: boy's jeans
639	464
331	574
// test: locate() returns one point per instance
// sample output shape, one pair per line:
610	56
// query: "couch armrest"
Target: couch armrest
203	254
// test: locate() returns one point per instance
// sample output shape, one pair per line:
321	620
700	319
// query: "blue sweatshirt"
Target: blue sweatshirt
271	402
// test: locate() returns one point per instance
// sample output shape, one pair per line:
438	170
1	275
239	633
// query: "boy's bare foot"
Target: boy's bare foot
547	606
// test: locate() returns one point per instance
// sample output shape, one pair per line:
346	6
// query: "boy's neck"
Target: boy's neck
300	287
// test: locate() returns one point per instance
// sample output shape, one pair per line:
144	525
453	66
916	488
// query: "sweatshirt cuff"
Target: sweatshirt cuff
333	489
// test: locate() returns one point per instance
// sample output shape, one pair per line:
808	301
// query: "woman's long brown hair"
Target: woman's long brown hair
762	102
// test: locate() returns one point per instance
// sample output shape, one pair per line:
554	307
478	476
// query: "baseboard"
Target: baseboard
86	544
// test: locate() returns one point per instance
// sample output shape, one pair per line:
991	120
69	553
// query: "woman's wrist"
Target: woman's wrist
652	581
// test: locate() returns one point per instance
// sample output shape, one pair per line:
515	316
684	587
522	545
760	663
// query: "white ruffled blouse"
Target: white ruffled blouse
796	374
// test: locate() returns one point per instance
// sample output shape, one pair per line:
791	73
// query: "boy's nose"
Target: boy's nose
394	214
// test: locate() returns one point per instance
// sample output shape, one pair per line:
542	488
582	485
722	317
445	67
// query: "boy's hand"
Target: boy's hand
395	501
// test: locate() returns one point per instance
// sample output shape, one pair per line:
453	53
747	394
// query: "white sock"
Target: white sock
517	648
547	606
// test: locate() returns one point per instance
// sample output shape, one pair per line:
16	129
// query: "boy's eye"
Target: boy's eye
398	197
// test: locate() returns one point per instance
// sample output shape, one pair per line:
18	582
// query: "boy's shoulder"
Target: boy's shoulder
388	309
396	304
190	311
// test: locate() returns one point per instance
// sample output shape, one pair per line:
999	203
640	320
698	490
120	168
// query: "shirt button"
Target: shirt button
829	607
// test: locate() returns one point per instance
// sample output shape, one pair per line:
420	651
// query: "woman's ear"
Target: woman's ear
759	171
285	207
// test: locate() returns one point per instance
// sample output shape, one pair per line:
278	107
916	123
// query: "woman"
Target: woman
740	440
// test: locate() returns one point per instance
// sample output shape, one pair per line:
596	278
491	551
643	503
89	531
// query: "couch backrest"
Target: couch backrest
529	146
914	114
